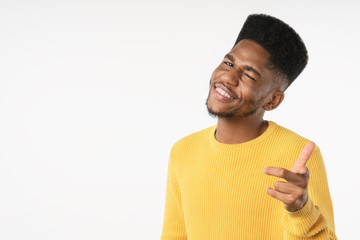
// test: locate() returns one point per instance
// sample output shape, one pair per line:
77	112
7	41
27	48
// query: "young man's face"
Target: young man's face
242	84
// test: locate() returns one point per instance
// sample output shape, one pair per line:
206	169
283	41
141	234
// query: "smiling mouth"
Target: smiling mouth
223	93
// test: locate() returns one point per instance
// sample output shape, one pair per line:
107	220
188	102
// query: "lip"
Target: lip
221	97
223	87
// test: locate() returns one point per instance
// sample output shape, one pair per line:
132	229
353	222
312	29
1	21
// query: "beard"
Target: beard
235	111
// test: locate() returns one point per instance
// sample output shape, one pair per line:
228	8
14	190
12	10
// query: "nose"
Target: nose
232	77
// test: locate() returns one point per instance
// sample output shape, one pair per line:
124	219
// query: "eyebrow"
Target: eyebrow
247	67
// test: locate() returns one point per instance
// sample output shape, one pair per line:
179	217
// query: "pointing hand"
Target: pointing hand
292	192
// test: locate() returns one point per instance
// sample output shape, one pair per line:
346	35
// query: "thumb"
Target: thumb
300	164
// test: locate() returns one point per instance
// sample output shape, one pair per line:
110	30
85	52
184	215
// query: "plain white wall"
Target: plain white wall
93	94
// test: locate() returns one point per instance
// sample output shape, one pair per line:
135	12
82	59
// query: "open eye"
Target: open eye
229	64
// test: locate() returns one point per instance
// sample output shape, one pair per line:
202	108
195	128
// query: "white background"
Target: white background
93	94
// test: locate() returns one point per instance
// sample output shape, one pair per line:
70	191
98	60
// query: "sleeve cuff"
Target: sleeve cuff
299	223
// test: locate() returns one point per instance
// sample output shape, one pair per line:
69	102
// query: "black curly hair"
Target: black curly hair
288	54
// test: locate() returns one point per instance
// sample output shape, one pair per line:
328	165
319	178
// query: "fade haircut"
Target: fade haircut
288	54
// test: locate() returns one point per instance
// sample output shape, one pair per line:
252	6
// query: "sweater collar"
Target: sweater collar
234	147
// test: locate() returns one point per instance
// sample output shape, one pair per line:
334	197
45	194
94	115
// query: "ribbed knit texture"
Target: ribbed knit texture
218	191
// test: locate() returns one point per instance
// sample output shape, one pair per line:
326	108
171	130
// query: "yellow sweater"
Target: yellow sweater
218	191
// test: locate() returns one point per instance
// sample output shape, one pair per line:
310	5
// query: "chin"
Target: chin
217	112
219	109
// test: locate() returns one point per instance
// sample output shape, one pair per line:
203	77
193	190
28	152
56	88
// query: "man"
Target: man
219	179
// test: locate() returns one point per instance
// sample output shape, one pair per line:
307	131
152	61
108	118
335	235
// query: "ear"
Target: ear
274	101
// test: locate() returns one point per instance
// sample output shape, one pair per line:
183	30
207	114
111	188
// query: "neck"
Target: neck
233	131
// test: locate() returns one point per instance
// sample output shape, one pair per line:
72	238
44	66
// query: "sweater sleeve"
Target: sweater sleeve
316	219
174	225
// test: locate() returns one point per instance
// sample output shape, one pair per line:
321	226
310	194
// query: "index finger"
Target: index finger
300	164
283	173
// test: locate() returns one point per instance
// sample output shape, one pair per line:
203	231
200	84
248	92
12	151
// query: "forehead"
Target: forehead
247	52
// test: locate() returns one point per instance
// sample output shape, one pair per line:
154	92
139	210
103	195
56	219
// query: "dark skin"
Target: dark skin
259	91
242	88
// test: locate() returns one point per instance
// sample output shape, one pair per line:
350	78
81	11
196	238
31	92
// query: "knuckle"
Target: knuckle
282	172
288	200
291	199
299	193
303	184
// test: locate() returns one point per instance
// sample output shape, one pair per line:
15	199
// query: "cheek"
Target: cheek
252	94
215	74
248	92
212	78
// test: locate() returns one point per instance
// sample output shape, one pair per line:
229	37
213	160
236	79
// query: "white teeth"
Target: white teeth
222	92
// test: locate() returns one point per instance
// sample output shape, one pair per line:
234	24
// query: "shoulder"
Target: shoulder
288	137
193	140
288	145
285	132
